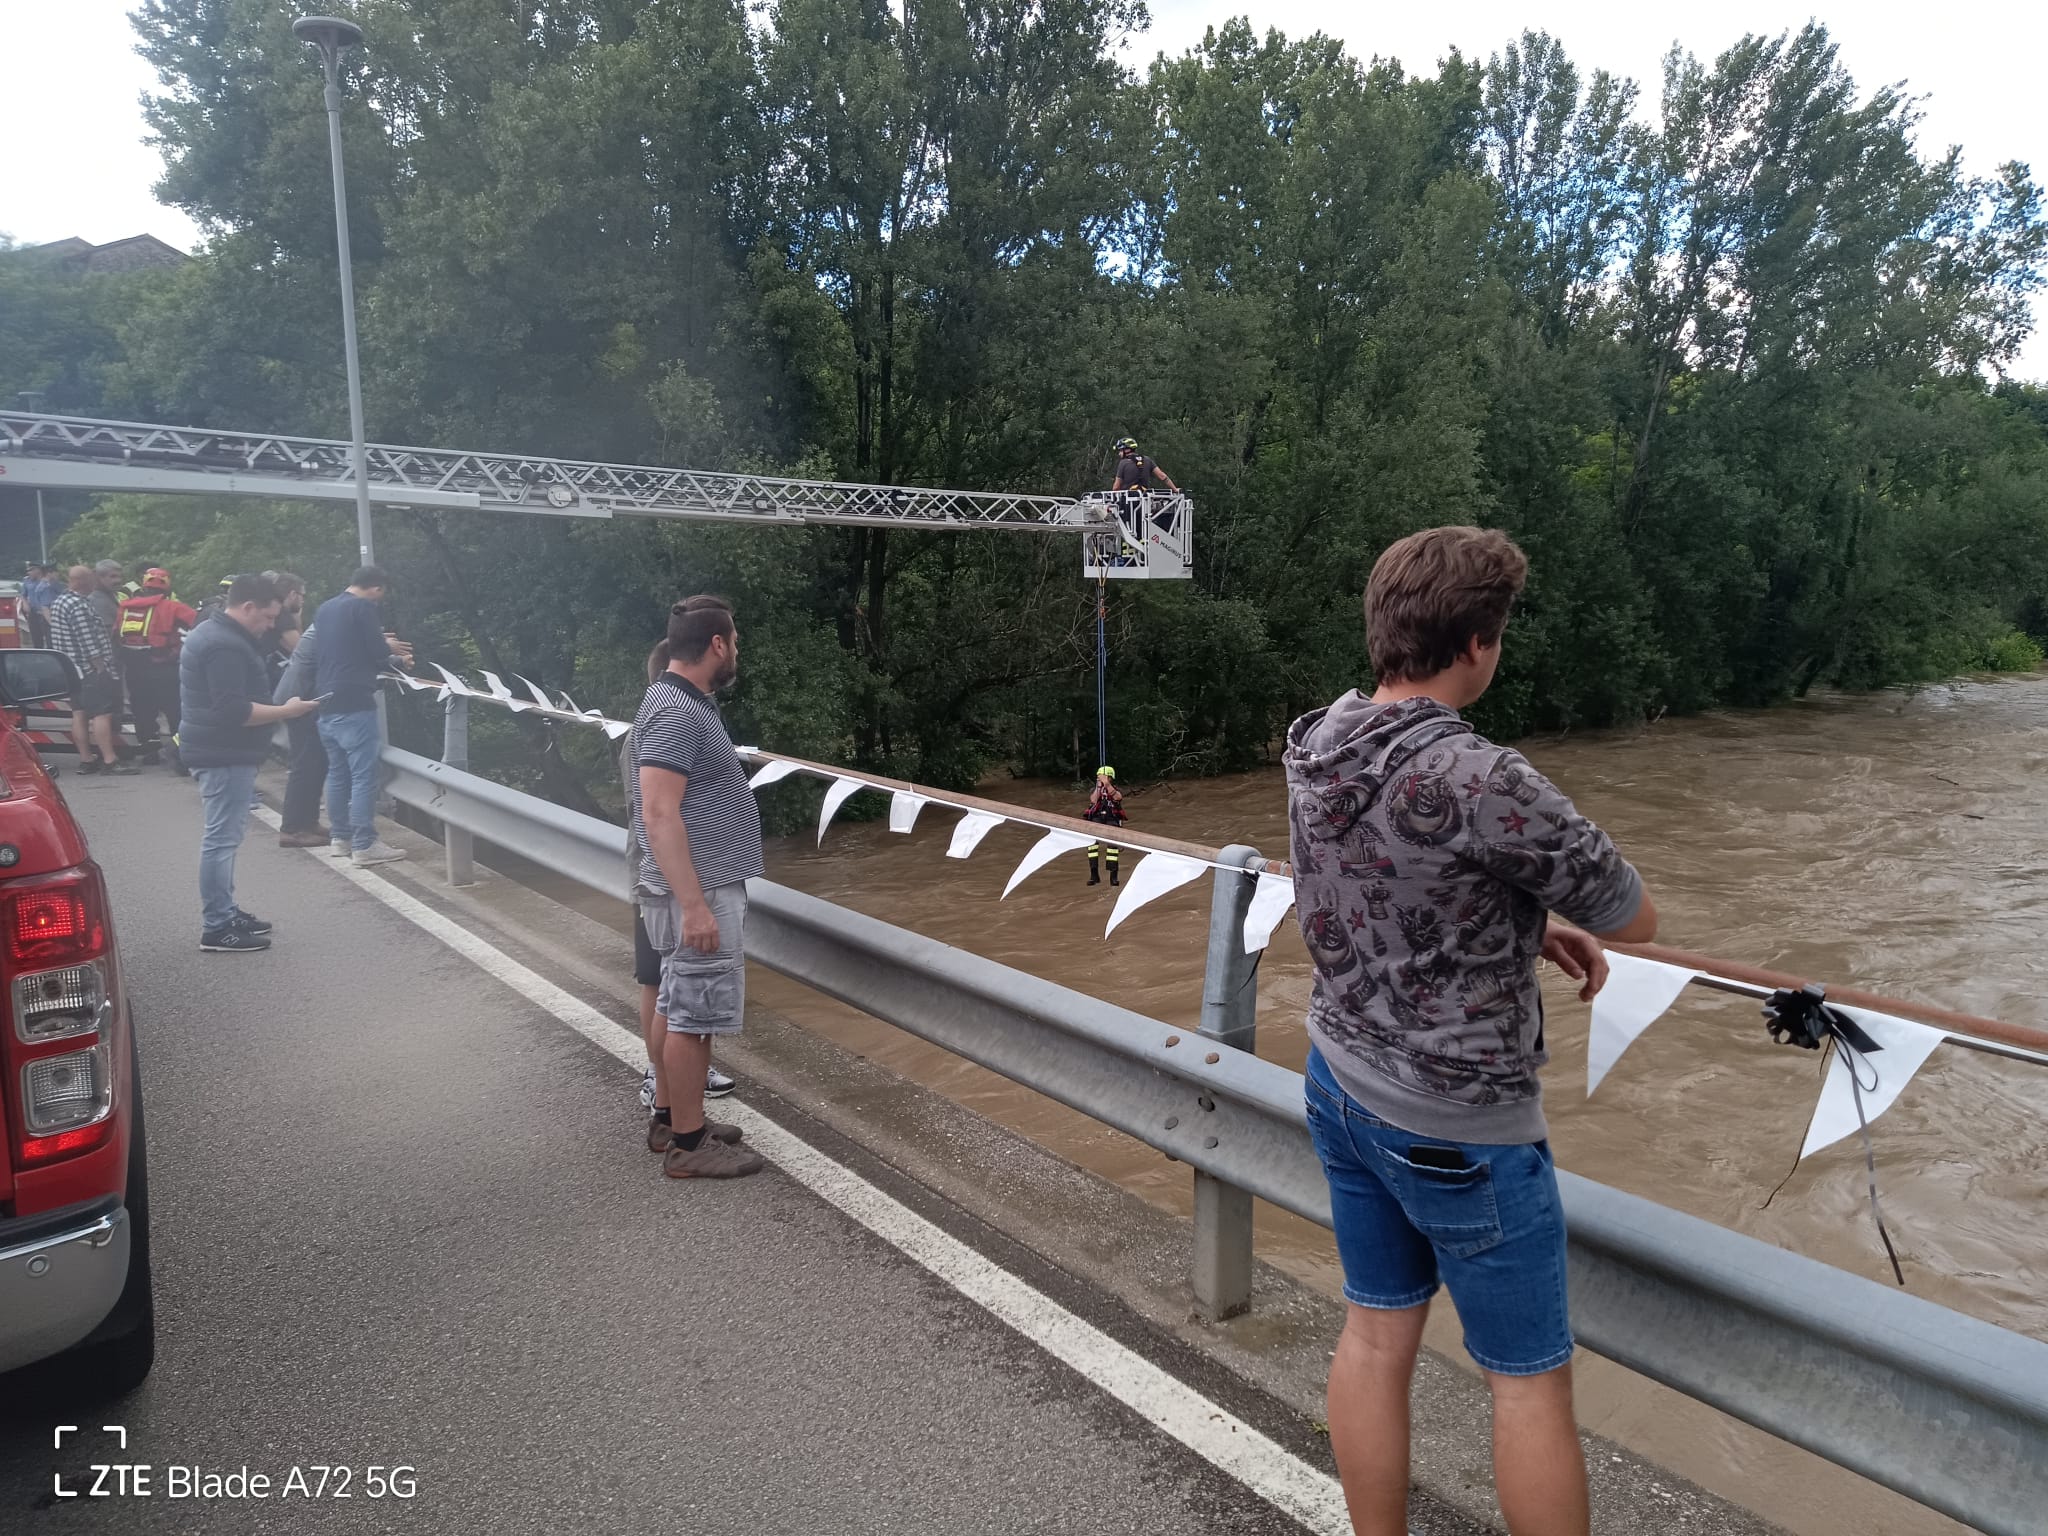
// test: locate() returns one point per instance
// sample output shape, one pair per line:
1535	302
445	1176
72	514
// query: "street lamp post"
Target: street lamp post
332	36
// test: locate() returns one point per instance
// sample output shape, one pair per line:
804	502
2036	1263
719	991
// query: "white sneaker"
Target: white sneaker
379	852
340	848
647	1087
716	1084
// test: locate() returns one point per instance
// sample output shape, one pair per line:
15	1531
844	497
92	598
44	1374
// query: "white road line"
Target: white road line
1227	1442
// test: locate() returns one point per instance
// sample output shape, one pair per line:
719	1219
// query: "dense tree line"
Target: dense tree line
1727	361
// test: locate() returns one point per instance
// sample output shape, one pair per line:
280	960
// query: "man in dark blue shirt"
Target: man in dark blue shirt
353	650
224	734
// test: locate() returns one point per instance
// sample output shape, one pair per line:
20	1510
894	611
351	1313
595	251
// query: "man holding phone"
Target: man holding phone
1426	863
223	736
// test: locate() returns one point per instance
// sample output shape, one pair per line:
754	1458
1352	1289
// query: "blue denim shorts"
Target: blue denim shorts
1492	1230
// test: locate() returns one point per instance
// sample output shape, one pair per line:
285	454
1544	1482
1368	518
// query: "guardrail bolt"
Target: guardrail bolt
1206	1102
1172	1121
1212	1058
1209	1141
1173	1039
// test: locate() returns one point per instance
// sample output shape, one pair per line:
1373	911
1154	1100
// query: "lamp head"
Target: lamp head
330	34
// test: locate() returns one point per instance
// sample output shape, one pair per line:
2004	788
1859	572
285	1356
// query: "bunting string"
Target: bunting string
1639	990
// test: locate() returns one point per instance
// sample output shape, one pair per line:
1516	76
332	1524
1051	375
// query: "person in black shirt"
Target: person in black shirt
1135	472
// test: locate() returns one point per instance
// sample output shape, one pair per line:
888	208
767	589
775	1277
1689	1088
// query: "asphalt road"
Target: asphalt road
404	1218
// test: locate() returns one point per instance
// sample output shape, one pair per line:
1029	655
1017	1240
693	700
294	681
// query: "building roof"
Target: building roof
137	253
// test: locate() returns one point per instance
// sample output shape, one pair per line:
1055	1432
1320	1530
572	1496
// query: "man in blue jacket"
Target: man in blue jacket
223	737
353	650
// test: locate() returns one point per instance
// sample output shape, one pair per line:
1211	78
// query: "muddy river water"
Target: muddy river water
1895	841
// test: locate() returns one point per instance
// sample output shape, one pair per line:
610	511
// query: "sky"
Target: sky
78	164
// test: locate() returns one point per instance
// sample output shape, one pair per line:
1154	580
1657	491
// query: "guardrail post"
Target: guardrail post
457	847
1230	1007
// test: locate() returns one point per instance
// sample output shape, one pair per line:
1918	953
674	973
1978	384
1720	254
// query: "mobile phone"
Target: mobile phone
1449	1159
322	698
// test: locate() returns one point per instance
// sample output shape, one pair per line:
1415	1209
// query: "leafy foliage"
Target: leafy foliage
1729	366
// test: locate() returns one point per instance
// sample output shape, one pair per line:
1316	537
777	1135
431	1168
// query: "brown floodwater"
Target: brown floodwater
1892	841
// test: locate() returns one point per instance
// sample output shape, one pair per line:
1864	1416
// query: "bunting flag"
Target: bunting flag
1637	994
454	684
1042	853
1156	874
1269	904
903	809
1904	1047
614	729
771	773
538	697
501	693
967	836
841	791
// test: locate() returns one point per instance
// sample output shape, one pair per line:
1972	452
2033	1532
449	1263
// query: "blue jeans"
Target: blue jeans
1412	1211
224	793
353	743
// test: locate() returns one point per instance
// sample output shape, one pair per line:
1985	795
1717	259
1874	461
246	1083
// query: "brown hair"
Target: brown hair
1432	592
657	660
694	623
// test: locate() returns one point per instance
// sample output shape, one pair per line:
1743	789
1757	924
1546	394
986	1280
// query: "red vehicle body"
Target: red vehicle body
74	1230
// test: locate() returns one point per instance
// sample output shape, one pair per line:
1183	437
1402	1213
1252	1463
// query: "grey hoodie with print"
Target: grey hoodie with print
1426	860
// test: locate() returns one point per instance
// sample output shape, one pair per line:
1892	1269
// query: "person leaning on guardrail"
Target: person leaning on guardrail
698	830
354	648
1426	862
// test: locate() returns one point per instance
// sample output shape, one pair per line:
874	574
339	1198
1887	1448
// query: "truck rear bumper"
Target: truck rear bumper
57	1286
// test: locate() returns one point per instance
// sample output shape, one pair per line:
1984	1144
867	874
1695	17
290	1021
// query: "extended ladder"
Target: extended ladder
1132	536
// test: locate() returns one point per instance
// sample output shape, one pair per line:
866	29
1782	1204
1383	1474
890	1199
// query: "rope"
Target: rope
1101	669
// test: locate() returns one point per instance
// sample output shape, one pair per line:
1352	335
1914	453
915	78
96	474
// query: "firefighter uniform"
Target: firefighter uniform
1105	805
150	638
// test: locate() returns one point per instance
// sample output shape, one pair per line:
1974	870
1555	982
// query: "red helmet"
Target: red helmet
157	576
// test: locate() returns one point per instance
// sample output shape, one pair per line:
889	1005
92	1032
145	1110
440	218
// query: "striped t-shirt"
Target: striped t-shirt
678	728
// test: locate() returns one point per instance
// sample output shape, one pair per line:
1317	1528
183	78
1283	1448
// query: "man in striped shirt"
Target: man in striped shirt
78	632
698	832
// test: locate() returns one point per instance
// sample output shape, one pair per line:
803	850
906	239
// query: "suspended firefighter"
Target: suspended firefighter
1105	805
151	637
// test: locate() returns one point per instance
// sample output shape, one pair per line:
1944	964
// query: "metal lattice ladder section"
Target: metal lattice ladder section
1133	536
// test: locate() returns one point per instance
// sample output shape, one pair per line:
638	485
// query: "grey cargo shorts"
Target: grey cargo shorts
700	994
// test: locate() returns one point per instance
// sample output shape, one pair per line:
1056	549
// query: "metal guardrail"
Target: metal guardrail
1947	1410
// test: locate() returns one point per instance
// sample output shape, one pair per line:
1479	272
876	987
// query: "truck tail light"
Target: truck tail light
55	947
65	1093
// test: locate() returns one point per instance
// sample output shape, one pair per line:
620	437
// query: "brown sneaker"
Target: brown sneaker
315	837
713	1159
658	1133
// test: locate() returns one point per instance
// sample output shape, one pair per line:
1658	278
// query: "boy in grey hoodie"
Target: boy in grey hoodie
1426	863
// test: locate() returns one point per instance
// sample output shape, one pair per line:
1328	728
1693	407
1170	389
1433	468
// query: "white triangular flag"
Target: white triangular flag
1637	995
1156	874
501	693
903	809
614	729
841	791
1042	853
455	684
1885	1073
1269	904
538	697
967	836
771	773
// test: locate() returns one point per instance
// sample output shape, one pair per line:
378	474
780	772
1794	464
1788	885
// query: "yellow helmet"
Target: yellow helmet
1105	773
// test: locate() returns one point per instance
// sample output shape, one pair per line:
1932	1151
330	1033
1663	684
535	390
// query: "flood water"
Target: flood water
1894	842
